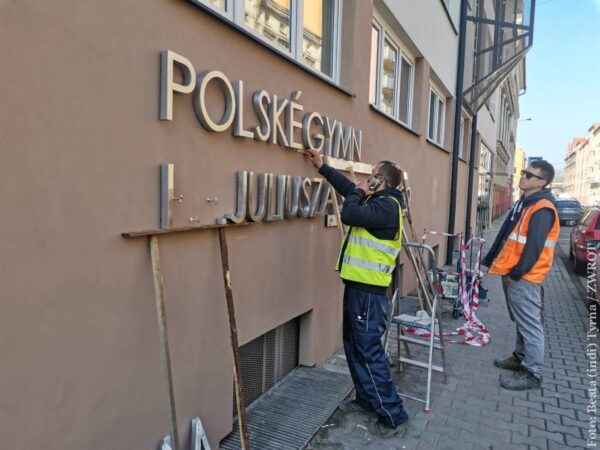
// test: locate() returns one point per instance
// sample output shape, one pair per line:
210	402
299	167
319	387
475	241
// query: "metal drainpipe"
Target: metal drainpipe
460	74
471	177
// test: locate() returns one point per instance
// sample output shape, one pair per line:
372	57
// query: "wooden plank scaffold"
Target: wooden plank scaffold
159	296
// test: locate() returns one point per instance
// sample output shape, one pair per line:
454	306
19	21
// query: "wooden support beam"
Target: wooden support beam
164	339
161	314
135	234
235	350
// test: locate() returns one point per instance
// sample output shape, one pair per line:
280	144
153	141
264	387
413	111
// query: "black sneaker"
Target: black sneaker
522	380
352	406
510	363
385	431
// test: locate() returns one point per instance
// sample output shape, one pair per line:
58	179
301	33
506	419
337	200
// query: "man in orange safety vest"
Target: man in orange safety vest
522	253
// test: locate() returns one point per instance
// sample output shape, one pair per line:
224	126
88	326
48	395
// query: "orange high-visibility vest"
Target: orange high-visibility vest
513	247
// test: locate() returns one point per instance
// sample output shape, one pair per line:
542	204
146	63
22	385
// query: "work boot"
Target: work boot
522	380
510	363
385	431
352	406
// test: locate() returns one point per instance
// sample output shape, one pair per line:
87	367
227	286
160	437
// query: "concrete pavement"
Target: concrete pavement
472	411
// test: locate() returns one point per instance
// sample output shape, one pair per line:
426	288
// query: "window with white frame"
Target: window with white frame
485	159
306	30
437	117
392	76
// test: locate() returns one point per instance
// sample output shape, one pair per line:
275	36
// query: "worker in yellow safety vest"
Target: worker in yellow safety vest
522	253
372	210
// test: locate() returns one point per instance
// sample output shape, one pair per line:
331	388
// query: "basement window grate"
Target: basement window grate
266	360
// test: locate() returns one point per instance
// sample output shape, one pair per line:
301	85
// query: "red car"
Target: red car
585	237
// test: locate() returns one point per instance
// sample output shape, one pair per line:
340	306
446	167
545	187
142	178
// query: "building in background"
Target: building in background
582	168
507	113
519	159
570	183
558	184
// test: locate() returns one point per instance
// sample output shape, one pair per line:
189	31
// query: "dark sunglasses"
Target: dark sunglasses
528	175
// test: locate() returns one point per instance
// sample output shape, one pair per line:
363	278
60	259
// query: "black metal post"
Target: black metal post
531	21
498	37
460	75
472	151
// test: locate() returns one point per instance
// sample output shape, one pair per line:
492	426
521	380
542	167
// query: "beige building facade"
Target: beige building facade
506	103
497	161
98	97
520	163
582	168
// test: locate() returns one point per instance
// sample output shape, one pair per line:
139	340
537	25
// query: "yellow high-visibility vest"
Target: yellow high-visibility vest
510	254
367	259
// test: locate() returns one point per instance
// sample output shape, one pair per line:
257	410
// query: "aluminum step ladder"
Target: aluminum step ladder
435	339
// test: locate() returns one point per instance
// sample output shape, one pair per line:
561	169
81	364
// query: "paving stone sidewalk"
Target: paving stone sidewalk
472	411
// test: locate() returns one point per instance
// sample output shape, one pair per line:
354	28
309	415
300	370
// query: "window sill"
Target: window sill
217	15
393	119
435	144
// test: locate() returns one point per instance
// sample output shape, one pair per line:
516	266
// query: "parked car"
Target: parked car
585	238
569	211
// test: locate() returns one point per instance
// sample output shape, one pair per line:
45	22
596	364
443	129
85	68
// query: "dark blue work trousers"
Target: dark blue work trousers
364	322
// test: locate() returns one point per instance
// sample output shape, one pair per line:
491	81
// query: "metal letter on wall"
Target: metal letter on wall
342	143
167	172
315	196
291	123
292	195
262	131
200	101
276	197
257	203
307	138
168	59
276	110
241	199
238	128
304	200
324	201
356	145
329	129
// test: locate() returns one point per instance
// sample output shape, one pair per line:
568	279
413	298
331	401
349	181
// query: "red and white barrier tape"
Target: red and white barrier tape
473	330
